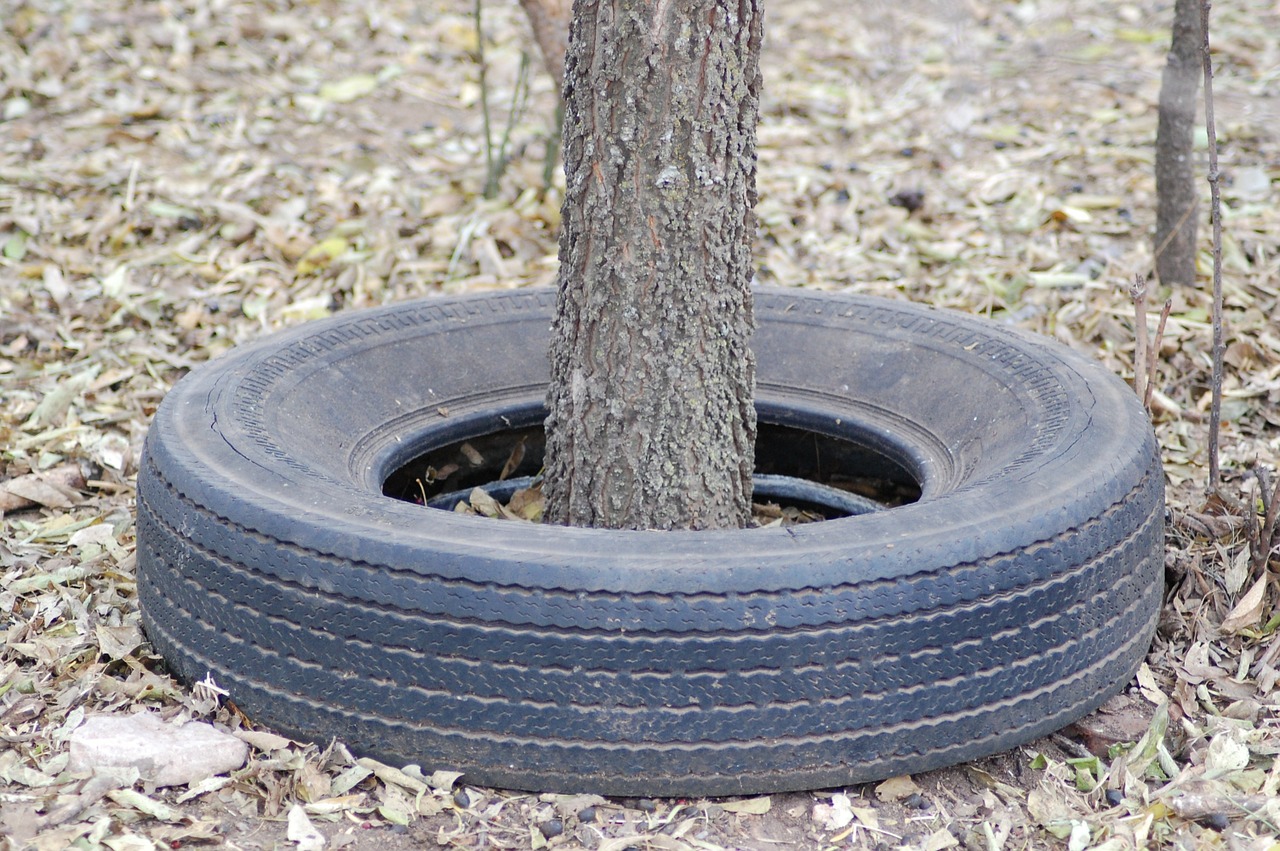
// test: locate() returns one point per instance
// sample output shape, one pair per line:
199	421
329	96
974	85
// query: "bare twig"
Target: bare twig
518	98
1262	535
552	157
1138	292
490	181
1145	350
1215	410
1155	350
1071	746
495	157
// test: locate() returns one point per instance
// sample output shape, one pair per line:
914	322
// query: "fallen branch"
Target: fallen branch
1212	527
1194	806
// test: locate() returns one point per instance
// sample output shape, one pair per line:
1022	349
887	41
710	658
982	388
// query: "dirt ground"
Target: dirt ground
180	176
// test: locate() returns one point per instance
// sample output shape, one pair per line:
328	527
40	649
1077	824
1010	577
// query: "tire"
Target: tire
1017	594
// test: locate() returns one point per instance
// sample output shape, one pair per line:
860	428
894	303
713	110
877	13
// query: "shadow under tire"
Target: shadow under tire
1017	594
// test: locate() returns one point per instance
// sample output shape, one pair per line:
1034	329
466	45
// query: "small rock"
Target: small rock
1114	798
462	799
916	801
644	805
909	199
587	815
164	754
551	828
1216	821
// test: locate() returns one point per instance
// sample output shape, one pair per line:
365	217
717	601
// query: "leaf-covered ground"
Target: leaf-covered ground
180	176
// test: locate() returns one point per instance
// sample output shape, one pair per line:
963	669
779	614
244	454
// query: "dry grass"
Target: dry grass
180	176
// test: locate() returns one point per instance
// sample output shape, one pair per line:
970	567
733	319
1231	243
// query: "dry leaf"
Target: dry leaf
148	806
940	839
836	815
302	832
752	806
151	222
349	89
262	740
897	788
483	503
1226	753
321	255
395	776
1050	811
1248	611
58	487
867	817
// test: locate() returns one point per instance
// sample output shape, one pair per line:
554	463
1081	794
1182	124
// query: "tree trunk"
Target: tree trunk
1176	195
549	20
651	422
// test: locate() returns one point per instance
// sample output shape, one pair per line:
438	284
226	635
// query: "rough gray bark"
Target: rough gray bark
651	419
1176	195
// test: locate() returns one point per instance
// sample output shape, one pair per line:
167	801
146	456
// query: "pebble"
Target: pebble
551	828
1114	797
461	798
916	801
1216	821
587	815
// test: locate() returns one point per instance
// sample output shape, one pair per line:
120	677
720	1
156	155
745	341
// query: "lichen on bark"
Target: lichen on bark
651	421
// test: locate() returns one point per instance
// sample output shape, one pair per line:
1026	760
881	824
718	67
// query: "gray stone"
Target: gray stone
164	754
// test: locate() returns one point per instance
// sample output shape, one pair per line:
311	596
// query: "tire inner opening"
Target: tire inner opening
795	467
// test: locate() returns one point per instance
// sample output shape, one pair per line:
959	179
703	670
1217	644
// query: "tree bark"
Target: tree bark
1176	195
651	422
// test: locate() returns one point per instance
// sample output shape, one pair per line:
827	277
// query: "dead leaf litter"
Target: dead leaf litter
180	177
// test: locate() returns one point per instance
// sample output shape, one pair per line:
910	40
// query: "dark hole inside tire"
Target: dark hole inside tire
787	457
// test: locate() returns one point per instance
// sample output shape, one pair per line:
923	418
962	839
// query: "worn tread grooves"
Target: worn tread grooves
1001	598
775	741
305	641
995	564
478	709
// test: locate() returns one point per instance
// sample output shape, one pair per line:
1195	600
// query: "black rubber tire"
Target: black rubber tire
1017	594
